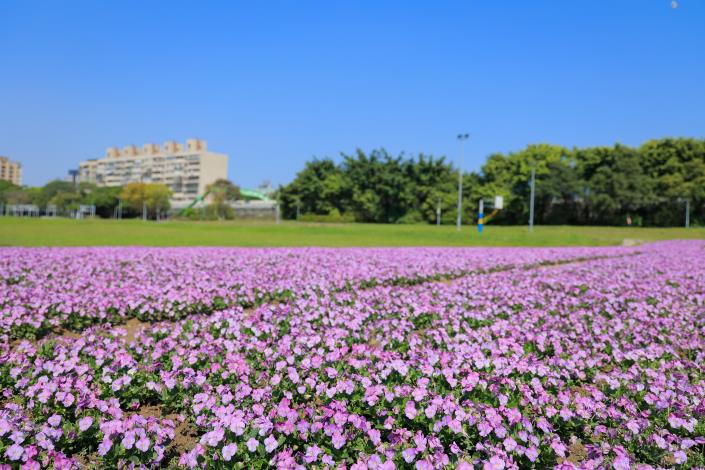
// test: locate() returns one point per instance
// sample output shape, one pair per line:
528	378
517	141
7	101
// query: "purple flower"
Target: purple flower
424	465
143	444
213	437
14	452
338	440
509	444
410	409
409	454
54	420
85	423
270	443
495	463
621	462
4	427
680	457
252	444
68	400
128	440
532	453
105	446
228	451
312	453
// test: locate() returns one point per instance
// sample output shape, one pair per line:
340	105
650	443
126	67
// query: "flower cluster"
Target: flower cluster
568	358
44	289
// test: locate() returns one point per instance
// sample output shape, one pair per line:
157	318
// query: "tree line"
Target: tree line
135	199
610	185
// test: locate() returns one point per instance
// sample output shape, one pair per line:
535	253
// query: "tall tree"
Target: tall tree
152	196
222	192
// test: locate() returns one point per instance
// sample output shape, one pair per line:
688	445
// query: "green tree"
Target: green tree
155	197
317	189
105	199
223	192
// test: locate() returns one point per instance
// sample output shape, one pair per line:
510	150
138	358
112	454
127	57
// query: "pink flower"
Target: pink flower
424	465
409	454
4	427
495	463
375	436
312	453
237	425
680	457
85	423
128	440
633	426
509	444
621	463
228	451
532	453
190	459
270	444
410	409
68	400
105	447
252	444
420	441
213	437
14	452
54	420
338	440
143	444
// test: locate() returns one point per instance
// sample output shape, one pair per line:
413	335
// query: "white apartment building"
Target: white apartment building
10	171
185	170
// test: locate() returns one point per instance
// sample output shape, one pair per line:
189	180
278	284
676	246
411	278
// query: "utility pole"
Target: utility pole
462	138
531	202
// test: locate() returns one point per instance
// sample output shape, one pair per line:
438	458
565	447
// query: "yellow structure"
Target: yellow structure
186	170
10	171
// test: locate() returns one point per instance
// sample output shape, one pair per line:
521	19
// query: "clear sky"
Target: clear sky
273	84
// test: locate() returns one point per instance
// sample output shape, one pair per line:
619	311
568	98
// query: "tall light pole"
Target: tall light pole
438	213
462	138
687	213
531	201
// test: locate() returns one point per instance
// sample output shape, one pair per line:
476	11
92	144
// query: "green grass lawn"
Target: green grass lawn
66	232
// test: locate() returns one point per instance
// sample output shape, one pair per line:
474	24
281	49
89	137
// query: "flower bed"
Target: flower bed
592	363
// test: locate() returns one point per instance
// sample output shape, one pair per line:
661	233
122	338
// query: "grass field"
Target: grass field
65	232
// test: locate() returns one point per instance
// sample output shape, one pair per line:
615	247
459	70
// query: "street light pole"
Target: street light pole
687	213
531	202
462	138
438	213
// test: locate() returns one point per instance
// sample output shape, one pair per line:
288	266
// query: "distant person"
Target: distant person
629	221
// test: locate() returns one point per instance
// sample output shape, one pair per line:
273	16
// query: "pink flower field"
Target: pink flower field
426	358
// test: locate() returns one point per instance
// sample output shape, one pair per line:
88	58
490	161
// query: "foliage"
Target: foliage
371	188
152	195
333	217
222	192
595	185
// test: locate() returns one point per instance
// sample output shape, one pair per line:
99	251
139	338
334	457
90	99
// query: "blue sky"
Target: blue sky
273	84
